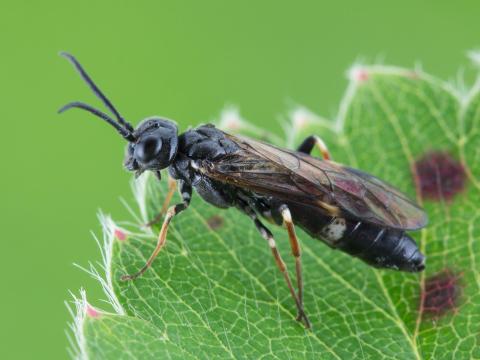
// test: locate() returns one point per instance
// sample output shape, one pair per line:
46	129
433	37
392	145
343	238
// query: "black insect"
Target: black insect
344	207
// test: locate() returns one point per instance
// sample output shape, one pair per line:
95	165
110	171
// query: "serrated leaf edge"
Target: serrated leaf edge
231	120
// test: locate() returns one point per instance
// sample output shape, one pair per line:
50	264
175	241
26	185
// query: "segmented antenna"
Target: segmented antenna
79	105
120	120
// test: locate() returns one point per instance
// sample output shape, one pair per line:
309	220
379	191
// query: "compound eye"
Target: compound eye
148	149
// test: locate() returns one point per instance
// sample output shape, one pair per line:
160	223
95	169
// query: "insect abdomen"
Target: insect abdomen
381	247
378	246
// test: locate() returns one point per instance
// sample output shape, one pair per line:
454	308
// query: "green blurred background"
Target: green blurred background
184	60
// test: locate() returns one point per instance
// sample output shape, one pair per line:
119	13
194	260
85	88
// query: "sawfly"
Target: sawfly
345	208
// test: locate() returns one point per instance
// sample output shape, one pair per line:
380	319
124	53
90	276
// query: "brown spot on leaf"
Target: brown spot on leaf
439	176
441	293
215	222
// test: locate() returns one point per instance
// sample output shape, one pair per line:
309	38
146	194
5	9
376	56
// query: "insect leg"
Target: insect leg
267	235
308	144
287	220
186	192
172	185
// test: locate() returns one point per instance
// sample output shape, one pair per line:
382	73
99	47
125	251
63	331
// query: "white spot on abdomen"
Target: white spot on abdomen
334	230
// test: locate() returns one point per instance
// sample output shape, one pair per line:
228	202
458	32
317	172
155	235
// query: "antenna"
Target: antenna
79	105
96	90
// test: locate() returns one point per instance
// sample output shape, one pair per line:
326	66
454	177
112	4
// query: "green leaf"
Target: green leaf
214	291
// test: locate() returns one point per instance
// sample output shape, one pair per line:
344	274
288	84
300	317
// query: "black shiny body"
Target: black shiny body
196	145
378	246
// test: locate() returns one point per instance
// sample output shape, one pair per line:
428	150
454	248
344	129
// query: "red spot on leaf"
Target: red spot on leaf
215	222
439	176
359	74
120	234
362	75
92	312
441	293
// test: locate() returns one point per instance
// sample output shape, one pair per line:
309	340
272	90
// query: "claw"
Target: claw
306	322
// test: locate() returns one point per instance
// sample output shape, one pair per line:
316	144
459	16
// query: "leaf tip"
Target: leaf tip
120	234
230	119
301	117
91	312
358	74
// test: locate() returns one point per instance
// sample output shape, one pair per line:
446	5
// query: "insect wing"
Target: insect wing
371	199
261	169
301	178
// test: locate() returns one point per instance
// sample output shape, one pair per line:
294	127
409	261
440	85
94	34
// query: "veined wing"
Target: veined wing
298	177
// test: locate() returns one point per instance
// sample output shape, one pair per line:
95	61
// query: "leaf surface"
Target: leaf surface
214	291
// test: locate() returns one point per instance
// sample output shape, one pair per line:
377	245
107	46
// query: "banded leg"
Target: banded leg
267	235
186	192
295	246
172	185
311	141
